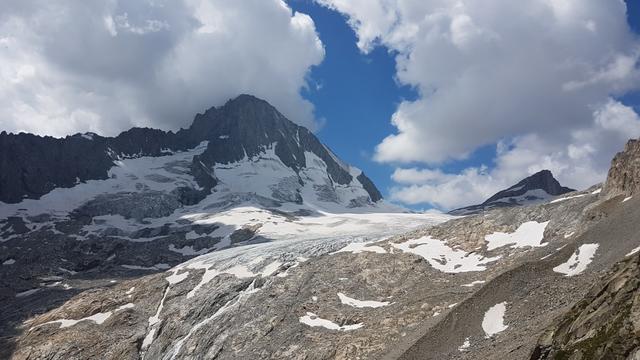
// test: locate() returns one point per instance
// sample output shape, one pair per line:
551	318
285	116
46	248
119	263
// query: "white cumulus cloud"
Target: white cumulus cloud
538	79
104	66
581	161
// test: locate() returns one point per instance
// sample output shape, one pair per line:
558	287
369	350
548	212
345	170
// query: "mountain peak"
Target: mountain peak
542	180
533	189
247	99
244	131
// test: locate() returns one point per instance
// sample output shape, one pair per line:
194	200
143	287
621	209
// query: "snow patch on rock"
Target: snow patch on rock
578	262
444	258
361	303
493	321
313	320
528	234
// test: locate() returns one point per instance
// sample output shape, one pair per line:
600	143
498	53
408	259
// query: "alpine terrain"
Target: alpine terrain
243	237
535	189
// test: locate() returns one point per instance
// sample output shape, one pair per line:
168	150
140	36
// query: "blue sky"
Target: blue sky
356	95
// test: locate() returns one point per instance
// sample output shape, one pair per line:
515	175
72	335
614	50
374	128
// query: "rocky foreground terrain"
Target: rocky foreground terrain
252	272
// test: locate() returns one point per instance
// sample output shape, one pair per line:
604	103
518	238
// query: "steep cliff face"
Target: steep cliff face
605	324
624	173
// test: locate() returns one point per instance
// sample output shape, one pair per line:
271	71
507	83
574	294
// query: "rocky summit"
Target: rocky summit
537	188
217	251
32	166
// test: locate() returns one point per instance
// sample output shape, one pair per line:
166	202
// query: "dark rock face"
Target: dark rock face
604	325
624	173
520	194
245	125
543	180
32	166
370	187
151	204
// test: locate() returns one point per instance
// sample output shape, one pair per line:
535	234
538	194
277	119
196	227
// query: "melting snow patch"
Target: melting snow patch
9	262
464	345
493	321
270	269
27	293
578	262
529	233
361	303
596	191
444	258
188	250
357	248
568	235
634	251
474	283
240	271
176	278
313	320
98	318
568	197
546	256
627	198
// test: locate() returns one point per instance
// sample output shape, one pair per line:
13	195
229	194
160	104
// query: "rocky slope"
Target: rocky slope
535	189
83	211
297	282
479	287
605	324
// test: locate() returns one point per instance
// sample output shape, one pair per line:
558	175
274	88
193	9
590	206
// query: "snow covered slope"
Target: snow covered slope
243	180
242	173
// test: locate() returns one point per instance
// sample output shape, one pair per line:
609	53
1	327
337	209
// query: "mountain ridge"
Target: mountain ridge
535	188
253	123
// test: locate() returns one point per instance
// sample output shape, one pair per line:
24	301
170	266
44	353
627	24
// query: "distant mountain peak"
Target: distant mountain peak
536	188
242	132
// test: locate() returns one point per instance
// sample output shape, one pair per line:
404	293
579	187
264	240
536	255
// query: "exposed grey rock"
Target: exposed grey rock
624	173
259	317
605	324
148	204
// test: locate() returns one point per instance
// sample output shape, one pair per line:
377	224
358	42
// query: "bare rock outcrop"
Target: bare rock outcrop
624	173
604	325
